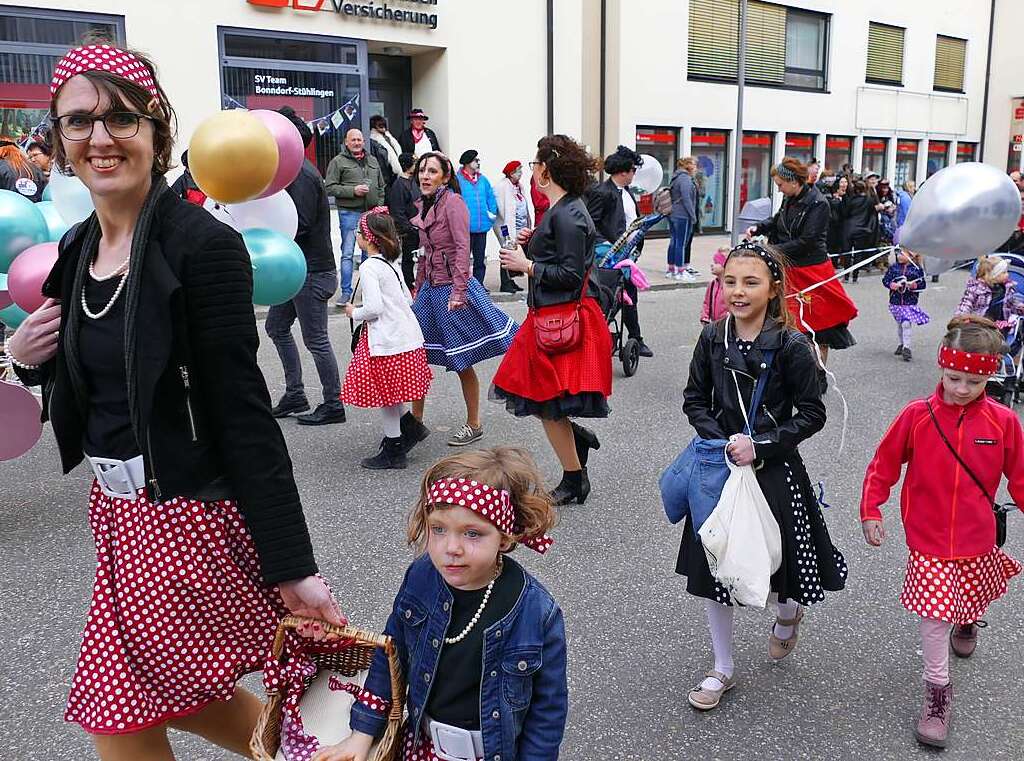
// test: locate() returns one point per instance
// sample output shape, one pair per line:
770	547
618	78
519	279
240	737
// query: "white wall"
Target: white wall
1007	79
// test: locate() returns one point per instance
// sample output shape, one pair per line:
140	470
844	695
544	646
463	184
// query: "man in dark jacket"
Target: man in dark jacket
380	153
309	305
612	208
419	138
185	186
401	202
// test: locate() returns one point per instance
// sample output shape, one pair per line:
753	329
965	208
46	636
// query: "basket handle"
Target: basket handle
359	636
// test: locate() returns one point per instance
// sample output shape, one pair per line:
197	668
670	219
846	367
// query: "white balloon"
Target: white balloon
220	212
70	196
276	212
650	175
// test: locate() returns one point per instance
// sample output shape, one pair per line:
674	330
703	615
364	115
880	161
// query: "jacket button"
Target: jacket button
446	606
497	633
436	643
497	757
521	665
426	678
726	360
494	674
763	365
496	715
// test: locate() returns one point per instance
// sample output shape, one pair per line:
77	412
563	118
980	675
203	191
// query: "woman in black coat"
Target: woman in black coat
860	222
146	352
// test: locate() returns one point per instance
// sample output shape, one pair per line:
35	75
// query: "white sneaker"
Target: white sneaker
693	271
669	274
687	277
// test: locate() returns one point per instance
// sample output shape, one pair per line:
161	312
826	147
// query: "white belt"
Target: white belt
119	478
454	743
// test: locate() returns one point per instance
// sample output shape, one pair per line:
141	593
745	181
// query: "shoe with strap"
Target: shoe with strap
963	638
705	698
780	648
936	715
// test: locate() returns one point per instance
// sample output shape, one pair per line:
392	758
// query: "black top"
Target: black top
562	249
800	228
402	206
860	222
455	697
108	429
604	203
314	234
408	143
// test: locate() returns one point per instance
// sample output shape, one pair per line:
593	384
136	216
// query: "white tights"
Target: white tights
903	332
392	420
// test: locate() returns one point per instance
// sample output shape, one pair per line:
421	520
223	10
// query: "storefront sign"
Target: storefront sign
1017	121
374	11
265	84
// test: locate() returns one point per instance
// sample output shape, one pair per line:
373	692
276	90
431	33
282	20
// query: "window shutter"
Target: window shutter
714	36
766	43
885	54
950	56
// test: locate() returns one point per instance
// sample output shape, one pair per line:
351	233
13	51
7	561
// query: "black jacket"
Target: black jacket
604	202
791	409
836	235
860	222
401	204
202	410
314	234
409	144
562	250
381	154
800	228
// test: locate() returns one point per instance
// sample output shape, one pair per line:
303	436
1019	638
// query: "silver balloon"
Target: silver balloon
962	212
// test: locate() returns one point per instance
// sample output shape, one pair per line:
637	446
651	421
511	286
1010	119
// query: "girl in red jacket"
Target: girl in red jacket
955	569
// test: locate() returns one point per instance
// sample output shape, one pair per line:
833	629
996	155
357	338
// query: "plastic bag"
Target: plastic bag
741	539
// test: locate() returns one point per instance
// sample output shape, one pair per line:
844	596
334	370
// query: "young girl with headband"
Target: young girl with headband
389	366
957	444
986	293
482	643
755	351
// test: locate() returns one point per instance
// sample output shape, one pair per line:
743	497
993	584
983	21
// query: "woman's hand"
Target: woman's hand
514	260
874	534
750	232
524	235
310	597
349	309
455	303
740	449
356	747
35	340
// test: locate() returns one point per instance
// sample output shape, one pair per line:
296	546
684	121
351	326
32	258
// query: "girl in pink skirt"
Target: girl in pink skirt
389	367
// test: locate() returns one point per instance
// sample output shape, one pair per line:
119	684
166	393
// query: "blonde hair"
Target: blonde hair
507	468
986	265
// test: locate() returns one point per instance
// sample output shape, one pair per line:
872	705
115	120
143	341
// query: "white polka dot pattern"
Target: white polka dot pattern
179	612
103	58
386	380
493	504
968	362
957	591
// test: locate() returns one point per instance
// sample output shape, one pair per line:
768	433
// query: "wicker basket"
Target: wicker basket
266	737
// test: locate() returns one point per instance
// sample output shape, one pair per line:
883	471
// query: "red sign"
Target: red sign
271	3
1018	139
299	5
965	149
708	138
906	147
757	140
934	147
874	145
1018	113
838	143
655	137
799	141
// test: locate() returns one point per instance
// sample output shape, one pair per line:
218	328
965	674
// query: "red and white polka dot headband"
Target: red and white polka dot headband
103	58
968	362
493	504
364	226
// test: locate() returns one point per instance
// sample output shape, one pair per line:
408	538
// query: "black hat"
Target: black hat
417	113
468	157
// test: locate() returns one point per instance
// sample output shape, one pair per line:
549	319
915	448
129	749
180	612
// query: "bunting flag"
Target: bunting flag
339	119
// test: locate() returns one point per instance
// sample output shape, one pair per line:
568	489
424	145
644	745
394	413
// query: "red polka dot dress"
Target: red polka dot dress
956	591
179	612
384	381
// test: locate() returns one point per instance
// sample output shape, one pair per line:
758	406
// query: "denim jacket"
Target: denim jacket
523	688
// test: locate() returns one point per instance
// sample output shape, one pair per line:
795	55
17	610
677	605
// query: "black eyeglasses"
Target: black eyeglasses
120	125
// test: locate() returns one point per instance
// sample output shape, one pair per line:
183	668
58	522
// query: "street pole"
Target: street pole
737	168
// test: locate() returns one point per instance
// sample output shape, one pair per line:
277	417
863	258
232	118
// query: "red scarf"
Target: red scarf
469	177
417	134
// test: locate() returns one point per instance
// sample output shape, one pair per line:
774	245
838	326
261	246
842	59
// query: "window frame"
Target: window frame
903	56
823	20
963	71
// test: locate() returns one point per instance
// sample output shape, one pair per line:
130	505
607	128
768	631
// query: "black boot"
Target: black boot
413	431
289	405
575	487
390	457
585	440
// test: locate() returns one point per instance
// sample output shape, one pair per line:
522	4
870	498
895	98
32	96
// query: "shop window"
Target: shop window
786	47
288	49
950	57
755	166
838	153
661	143
966	152
31	44
885	54
906	162
711	149
800	146
874	157
938	156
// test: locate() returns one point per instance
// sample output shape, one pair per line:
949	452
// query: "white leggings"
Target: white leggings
393	420
903	332
720	624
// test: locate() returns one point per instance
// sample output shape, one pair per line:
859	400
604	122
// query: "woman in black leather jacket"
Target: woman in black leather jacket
574	383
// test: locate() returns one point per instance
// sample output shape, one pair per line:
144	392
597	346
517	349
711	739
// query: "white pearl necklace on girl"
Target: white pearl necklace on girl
479	611
122	270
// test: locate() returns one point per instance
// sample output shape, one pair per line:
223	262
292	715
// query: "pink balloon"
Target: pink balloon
19	420
290	150
27	274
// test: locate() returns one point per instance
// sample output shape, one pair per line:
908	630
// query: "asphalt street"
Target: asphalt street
637	642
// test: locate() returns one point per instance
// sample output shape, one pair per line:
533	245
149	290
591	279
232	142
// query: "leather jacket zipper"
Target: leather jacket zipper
152	468
770	415
183	369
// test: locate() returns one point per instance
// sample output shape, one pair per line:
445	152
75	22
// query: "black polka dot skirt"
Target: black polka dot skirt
811	564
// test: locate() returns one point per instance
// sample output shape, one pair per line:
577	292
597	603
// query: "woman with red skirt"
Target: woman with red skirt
800	231
556	383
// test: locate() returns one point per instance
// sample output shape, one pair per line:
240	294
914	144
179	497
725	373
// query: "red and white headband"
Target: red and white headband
364	226
493	504
968	362
103	58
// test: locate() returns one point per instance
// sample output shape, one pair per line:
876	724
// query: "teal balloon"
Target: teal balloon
21	225
48	193
12	316
278	266
55	224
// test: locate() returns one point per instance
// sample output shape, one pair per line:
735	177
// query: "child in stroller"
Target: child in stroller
1006	385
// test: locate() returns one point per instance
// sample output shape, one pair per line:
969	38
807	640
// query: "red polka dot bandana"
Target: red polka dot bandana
364	226
968	362
493	504
103	58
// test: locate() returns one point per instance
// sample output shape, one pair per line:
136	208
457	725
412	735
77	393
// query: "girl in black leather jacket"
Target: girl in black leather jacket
731	354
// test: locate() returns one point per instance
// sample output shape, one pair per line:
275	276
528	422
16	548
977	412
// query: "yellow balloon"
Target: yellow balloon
232	156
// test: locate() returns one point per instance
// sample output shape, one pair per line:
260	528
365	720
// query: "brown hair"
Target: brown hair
19	162
974	333
568	163
507	468
121	91
777	308
798	168
914	256
383	228
446	166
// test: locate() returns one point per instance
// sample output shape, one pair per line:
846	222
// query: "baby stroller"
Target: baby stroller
610	284
1006	385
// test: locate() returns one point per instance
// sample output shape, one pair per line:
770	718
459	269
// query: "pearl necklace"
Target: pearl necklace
479	611
122	270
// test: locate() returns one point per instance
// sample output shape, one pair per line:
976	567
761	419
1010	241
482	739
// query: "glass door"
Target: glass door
966	152
875	155
800	146
838	153
906	162
711	149
663	144
938	156
755	166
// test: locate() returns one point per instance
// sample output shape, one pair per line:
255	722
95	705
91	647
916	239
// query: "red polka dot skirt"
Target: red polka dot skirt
957	591
386	380
179	612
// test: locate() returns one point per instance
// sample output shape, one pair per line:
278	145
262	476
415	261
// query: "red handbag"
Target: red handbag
558	331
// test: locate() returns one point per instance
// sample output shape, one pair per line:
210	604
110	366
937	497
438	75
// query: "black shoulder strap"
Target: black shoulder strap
953	452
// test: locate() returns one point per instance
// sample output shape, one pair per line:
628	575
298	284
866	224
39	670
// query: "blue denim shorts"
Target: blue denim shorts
693	483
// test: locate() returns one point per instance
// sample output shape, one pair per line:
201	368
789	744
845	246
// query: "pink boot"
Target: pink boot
936	715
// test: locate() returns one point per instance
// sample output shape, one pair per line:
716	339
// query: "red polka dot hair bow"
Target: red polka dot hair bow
103	58
493	504
968	362
364	226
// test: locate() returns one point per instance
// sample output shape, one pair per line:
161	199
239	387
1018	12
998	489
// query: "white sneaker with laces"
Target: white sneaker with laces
465	435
